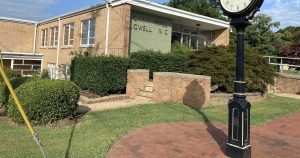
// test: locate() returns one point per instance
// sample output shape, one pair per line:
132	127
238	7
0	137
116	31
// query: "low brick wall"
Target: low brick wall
223	98
288	84
192	90
136	80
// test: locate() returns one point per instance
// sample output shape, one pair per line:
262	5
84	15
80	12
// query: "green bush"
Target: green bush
102	75
45	101
158	62
178	48
10	74
4	92
219	63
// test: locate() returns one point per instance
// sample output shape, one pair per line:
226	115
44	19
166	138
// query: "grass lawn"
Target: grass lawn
93	136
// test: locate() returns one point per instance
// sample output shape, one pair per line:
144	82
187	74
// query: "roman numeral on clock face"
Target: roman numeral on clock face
235	5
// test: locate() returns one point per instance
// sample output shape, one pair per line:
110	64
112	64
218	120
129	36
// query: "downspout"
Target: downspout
58	48
34	39
108	2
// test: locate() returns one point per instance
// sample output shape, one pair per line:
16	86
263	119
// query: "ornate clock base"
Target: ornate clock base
233	151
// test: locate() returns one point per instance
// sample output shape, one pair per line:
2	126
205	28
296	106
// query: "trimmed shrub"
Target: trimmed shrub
101	75
4	92
219	63
45	101
178	48
159	62
15	79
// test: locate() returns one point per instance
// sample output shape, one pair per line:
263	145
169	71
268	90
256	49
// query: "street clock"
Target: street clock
240	8
238	142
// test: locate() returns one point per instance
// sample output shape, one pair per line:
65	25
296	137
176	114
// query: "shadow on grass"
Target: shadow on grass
70	139
218	135
80	113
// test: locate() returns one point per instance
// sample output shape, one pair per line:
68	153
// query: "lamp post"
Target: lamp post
238	142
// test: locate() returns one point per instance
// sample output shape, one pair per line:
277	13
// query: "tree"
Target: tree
208	8
292	47
261	35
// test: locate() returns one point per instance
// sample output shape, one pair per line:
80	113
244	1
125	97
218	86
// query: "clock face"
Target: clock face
235	6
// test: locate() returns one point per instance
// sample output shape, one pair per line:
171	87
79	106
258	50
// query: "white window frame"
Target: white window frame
88	38
190	37
44	38
70	25
54	44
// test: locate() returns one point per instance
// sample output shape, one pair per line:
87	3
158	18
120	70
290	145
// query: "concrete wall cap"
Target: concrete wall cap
180	75
289	76
138	70
230	94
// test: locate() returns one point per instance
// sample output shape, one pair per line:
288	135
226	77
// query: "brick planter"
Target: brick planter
223	98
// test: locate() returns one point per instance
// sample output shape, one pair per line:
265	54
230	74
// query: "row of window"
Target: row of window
87	34
191	36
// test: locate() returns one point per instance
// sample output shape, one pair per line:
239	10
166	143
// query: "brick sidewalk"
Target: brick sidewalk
277	139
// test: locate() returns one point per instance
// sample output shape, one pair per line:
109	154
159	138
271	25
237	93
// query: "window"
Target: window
44	37
68	34
53	36
190	36
88	32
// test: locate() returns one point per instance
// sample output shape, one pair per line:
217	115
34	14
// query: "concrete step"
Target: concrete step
148	89
145	94
149	84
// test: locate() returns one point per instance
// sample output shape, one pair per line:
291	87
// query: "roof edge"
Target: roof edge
18	20
174	11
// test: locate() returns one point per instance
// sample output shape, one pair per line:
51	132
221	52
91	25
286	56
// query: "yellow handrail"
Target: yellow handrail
20	108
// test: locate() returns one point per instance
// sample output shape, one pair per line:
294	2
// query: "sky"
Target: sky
287	12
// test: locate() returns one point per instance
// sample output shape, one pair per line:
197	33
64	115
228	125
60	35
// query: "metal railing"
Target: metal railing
284	63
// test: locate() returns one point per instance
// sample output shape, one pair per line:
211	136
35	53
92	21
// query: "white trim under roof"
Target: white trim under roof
172	11
146	4
18	20
21	56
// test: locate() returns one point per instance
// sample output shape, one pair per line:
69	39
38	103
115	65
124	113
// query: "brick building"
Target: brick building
117	28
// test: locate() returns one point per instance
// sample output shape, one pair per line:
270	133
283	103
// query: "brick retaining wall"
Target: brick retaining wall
288	84
223	99
136	80
192	90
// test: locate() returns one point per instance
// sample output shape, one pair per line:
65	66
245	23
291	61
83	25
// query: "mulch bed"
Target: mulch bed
89	94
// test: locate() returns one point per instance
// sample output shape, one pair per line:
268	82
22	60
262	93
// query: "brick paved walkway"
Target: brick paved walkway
277	139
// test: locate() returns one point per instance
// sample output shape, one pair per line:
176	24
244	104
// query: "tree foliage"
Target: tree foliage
290	42
219	63
261	36
203	7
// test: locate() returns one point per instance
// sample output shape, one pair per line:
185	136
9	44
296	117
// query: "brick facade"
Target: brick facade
16	36
288	84
221	37
118	34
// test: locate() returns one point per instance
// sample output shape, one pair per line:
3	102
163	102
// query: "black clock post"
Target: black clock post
238	145
238	142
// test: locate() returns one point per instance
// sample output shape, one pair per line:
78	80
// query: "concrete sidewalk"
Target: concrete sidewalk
295	96
84	108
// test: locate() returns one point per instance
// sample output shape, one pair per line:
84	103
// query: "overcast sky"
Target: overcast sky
285	11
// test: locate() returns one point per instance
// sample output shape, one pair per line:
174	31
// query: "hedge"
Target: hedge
159	62
219	63
4	92
101	75
45	101
15	79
